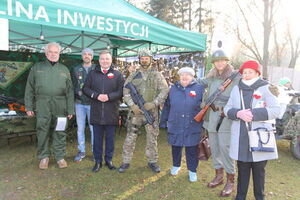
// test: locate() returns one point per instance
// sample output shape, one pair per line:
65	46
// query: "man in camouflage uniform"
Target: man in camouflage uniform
49	95
152	86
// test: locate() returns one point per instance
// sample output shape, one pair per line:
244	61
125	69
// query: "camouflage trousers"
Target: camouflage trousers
152	132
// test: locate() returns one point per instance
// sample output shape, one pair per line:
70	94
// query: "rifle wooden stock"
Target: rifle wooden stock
199	117
209	102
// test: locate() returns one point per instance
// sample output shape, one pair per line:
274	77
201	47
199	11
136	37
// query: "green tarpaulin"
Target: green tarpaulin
98	24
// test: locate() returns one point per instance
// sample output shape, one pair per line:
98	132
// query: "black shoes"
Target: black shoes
123	167
154	167
110	165
97	167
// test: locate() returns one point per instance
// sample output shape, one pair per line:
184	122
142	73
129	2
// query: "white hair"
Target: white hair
52	44
186	70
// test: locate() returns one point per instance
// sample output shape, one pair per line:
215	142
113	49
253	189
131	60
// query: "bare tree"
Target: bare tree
280	47
262	56
268	20
295	48
190	14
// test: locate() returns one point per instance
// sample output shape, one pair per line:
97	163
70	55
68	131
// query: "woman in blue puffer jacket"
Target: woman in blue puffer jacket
180	108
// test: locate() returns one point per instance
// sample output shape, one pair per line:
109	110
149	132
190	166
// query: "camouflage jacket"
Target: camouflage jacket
293	126
150	84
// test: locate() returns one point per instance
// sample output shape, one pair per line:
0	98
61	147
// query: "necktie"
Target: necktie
104	71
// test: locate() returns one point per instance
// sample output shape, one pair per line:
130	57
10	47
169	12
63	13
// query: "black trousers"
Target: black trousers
190	154
99	132
258	174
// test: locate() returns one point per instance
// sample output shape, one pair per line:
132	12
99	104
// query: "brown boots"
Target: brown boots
44	163
228	188
62	164
219	179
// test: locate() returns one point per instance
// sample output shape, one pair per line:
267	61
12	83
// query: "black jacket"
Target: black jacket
97	83
79	76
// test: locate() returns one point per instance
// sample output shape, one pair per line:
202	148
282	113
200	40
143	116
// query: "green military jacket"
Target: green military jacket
212	82
150	84
45	80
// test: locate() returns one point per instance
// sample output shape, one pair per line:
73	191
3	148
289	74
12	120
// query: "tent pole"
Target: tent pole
115	52
82	39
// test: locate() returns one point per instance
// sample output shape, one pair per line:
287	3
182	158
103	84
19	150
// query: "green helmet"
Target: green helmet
145	52
219	55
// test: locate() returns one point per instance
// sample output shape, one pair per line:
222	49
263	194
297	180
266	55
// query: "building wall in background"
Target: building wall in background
276	73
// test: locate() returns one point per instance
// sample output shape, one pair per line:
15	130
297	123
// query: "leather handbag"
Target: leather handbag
204	149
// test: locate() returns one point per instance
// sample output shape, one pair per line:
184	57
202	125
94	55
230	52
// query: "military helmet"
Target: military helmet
145	52
219	55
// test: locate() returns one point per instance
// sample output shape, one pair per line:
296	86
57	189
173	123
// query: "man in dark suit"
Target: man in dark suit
104	86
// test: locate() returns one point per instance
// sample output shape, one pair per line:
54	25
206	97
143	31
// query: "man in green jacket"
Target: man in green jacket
49	95
218	126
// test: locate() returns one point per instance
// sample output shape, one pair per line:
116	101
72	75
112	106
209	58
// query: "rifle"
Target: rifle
12	103
138	100
209	102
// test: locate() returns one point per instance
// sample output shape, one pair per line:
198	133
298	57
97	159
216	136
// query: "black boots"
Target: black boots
97	166
123	167
110	165
154	167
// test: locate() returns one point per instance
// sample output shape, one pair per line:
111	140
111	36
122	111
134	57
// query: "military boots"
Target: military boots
228	188
44	163
154	167
218	180
123	167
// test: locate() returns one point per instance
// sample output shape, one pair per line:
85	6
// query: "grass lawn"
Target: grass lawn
21	179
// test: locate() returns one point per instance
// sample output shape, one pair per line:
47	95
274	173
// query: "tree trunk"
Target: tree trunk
190	14
293	62
267	31
200	16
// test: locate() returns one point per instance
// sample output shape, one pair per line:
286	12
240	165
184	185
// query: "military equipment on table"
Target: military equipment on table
12	103
15	124
14	121
138	100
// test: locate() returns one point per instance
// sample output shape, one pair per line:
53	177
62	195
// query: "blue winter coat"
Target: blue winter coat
178	113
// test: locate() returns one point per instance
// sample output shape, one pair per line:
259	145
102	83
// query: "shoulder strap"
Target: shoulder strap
248	125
